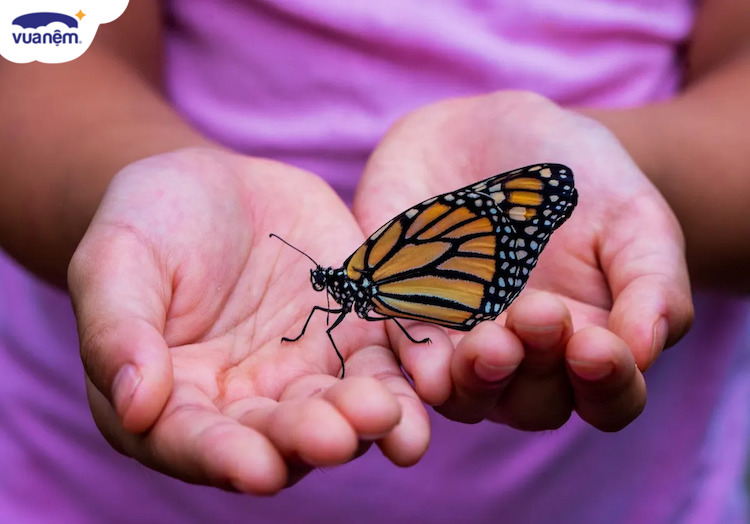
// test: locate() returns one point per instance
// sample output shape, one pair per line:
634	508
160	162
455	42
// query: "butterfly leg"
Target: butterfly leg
342	313
314	309
328	331
423	341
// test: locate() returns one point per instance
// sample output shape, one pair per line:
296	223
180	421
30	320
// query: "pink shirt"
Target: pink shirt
316	84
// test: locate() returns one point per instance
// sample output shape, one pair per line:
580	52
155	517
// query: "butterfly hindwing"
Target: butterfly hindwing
439	272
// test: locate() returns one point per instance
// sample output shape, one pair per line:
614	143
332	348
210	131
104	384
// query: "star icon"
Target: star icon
80	14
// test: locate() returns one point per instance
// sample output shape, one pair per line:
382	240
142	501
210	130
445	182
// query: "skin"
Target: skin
614	272
196	384
233	406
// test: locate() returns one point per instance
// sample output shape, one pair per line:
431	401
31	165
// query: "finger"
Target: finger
482	366
407	442
367	405
609	390
311	430
539	396
319	420
647	272
427	363
195	443
122	348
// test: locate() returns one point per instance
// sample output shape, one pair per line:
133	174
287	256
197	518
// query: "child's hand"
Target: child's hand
182	300
610	291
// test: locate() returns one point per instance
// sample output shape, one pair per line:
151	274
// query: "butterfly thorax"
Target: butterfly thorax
348	293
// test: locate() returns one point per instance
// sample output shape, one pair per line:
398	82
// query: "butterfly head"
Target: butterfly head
319	278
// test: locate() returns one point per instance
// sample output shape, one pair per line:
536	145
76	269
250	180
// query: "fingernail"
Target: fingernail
588	370
124	386
660	337
490	373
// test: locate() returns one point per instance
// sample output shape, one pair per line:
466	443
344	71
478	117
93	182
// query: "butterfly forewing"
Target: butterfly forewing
463	256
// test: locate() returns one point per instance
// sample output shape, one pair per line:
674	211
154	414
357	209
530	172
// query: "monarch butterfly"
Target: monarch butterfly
455	259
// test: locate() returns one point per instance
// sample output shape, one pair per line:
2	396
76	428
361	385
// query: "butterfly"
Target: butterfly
455	259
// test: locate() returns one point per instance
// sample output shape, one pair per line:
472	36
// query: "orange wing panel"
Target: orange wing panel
411	256
484	245
480	225
427	215
356	262
385	243
483	268
456	216
524	183
405	309
468	293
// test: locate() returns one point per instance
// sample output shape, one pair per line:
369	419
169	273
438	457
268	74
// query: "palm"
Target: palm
603	264
184	262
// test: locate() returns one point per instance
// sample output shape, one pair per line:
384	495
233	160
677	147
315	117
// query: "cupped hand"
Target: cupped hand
610	290
182	300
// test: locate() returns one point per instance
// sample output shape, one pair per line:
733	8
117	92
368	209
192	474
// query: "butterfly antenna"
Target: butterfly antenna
296	249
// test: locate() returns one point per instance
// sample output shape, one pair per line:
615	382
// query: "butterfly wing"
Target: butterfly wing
462	257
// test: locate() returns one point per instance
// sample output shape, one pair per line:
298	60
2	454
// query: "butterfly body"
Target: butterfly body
455	259
346	292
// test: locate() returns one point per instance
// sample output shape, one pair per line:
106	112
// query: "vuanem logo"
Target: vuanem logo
52	31
37	20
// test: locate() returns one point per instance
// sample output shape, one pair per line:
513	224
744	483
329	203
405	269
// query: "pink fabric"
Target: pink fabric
315	84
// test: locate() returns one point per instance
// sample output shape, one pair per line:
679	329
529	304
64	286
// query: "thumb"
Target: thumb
643	257
117	295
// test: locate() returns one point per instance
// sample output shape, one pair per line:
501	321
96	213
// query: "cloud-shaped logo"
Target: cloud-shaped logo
53	31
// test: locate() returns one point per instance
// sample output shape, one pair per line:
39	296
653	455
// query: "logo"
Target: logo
37	20
52	31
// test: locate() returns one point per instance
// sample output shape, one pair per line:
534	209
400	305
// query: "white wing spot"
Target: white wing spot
517	213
